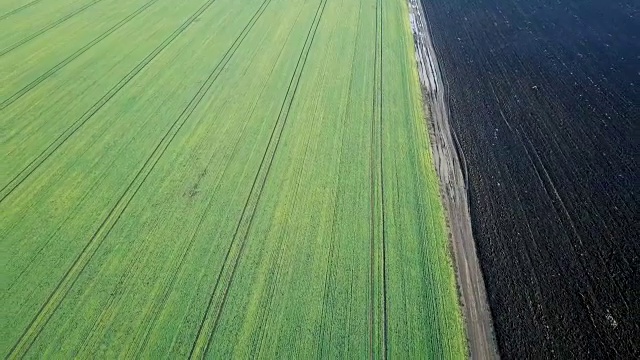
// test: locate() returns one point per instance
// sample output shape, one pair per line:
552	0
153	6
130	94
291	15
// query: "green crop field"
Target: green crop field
218	178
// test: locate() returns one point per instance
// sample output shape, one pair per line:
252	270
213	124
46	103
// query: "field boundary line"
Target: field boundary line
72	274
46	153
18	9
451	168
43	30
200	346
13	98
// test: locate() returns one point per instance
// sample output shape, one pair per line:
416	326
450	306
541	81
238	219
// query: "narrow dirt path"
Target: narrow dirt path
451	168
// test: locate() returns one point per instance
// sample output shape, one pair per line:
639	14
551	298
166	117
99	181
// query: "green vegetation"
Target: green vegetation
210	178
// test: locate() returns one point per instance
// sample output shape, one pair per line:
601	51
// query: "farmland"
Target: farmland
544	101
216	179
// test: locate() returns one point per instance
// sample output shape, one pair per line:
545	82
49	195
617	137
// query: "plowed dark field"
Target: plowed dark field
544	99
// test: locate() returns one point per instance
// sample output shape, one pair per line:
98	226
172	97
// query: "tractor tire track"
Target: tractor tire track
127	277
278	256
210	320
71	130
372	210
54	24
324	328
160	302
154	158
377	225
385	331
13	98
18	9
56	297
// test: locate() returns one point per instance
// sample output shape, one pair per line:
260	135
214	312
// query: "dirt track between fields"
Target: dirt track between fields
450	166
